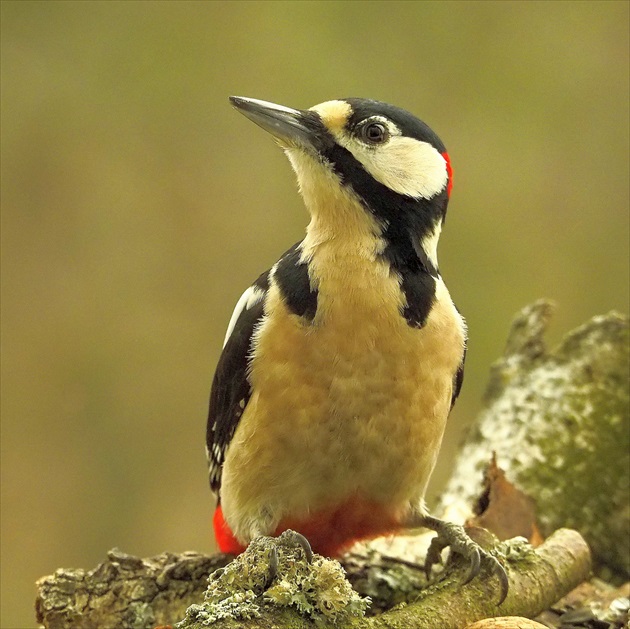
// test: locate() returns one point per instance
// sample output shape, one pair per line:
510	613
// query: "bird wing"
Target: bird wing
231	388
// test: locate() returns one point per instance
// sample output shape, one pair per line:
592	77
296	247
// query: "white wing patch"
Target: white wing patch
248	299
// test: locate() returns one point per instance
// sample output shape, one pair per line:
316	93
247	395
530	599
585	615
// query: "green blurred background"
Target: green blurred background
137	205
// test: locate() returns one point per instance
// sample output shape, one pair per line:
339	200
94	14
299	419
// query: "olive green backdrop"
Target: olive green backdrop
137	205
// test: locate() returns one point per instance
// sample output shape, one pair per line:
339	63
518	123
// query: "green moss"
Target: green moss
586	446
559	422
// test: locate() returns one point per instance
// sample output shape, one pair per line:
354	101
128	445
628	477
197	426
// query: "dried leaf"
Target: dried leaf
504	509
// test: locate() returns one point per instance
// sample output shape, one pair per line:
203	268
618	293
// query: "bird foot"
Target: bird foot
455	536
292	538
265	558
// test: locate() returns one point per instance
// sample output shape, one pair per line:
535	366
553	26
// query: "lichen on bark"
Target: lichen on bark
559	422
318	589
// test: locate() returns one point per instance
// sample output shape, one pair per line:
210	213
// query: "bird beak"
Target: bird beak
291	127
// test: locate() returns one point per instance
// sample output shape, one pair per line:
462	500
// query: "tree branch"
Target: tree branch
127	591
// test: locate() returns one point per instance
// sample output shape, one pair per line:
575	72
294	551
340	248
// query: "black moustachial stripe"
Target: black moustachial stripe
419	289
404	220
291	275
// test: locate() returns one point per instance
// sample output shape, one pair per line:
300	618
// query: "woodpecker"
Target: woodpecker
342	362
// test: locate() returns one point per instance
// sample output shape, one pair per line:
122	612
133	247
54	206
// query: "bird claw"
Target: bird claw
434	555
292	537
304	544
454	535
475	566
273	566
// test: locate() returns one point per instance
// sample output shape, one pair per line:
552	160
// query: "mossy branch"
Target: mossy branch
128	592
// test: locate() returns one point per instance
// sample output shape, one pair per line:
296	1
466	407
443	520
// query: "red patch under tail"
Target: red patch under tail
225	538
330	531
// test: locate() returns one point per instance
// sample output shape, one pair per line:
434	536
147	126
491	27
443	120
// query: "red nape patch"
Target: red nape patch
449	172
224	536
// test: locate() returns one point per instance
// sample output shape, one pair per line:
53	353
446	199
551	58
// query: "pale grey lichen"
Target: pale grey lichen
560	424
241	606
242	590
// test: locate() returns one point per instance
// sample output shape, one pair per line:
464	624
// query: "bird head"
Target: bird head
382	156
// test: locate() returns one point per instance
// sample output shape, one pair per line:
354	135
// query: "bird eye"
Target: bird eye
374	133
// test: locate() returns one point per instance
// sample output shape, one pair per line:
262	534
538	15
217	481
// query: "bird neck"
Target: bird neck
347	231
403	232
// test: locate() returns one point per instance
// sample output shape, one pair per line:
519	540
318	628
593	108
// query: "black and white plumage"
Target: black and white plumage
409	210
341	363
231	388
393	178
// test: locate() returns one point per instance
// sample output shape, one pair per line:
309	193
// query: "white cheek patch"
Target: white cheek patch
406	166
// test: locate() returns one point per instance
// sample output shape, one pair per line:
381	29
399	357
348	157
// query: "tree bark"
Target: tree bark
126	592
559	423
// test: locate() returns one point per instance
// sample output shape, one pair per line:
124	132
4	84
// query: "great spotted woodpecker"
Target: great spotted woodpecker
342	362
